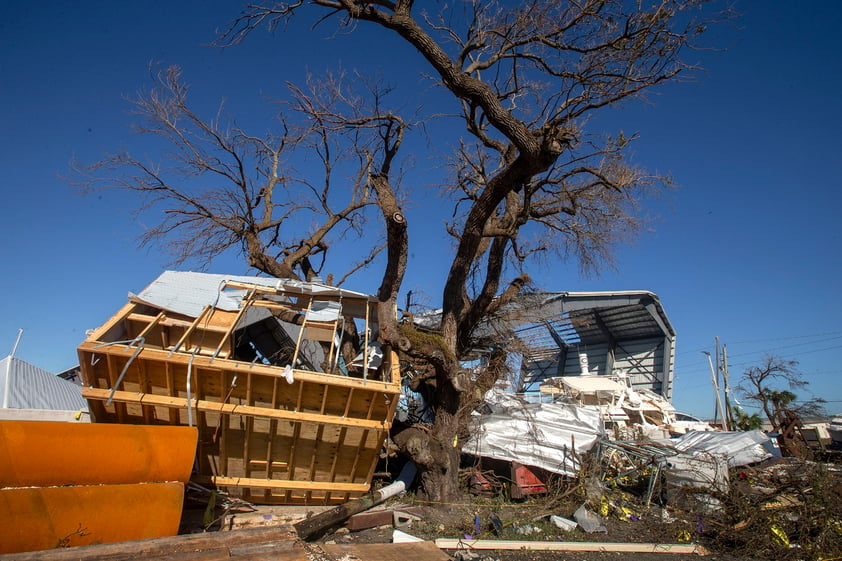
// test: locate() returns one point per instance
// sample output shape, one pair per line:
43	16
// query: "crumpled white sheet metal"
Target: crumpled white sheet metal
697	469
700	470
739	448
550	436
187	292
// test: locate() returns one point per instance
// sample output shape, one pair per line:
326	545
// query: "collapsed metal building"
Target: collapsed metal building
593	333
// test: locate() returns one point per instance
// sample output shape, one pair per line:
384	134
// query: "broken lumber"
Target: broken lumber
445	543
204	547
315	526
416	551
366	520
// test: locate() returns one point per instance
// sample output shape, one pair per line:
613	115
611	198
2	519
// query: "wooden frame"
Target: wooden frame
269	433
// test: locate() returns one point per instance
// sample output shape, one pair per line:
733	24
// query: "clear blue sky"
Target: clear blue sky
748	248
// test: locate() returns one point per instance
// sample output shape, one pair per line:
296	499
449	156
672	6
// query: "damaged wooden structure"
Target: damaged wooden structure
257	366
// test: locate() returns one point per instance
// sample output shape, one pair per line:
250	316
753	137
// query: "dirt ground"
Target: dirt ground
518	524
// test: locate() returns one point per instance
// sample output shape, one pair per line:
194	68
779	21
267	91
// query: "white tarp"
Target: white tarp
551	436
739	448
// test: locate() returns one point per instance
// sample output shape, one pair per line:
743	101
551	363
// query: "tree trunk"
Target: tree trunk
436	454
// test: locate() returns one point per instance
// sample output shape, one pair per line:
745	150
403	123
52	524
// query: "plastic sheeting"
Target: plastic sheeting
740	448
551	436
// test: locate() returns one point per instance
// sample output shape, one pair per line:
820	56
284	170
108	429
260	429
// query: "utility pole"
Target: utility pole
718	405
729	414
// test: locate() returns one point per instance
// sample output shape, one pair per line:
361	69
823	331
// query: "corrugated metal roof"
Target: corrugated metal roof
563	333
625	315
188	293
31	387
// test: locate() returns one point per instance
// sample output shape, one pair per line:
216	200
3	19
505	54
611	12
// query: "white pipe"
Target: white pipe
8	384
17	341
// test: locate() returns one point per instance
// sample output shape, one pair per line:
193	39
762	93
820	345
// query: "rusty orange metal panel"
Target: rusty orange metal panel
40	453
34	519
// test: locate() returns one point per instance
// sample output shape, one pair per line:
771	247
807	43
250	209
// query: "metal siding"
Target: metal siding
643	361
31	387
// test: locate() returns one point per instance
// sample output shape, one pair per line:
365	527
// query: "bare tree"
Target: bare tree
765	385
221	188
526	180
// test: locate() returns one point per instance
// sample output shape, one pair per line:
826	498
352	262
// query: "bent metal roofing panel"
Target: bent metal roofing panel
187	293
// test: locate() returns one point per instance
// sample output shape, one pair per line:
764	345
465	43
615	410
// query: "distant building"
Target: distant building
30	393
593	333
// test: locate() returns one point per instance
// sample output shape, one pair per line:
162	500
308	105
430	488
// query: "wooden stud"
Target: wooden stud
270	442
190	329
243	307
223	425
145	331
362	446
301	334
296	433
339	442
249	427
148	410
300	395
171	391
119	408
365	346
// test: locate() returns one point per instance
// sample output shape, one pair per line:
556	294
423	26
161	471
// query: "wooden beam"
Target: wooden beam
286	484
287	290
119	408
445	543
98	334
199	361
155	320
190	329
174	416
232	409
302	328
245	306
188	546
172	322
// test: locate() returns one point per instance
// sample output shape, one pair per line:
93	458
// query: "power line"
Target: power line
791	346
835	334
700	369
